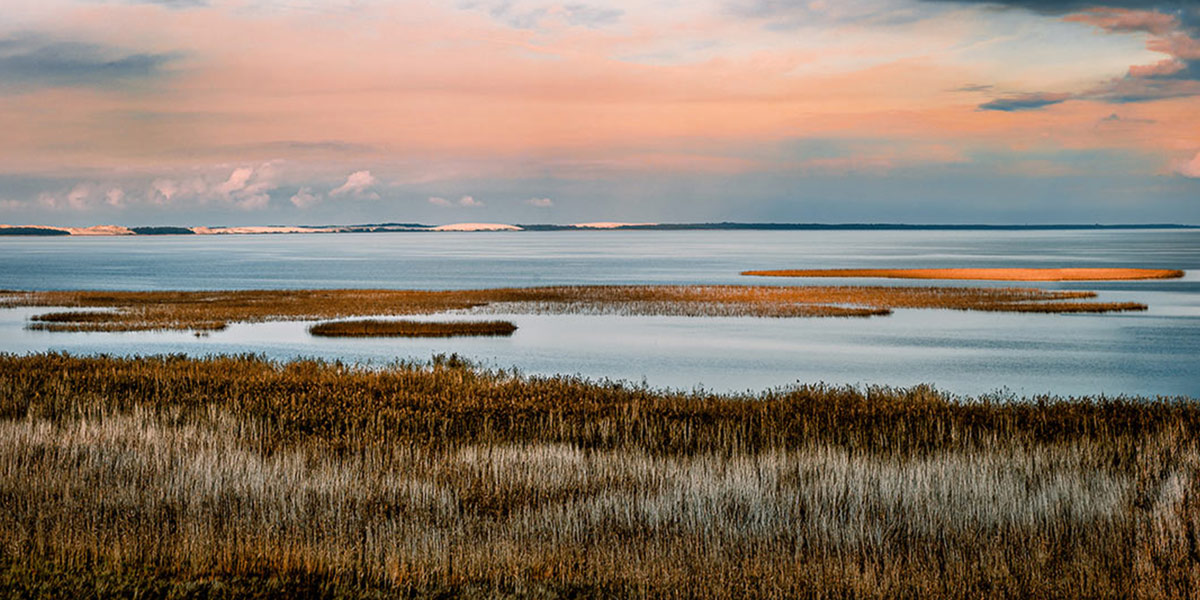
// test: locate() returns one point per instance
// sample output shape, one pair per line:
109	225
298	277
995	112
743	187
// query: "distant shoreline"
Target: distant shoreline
117	230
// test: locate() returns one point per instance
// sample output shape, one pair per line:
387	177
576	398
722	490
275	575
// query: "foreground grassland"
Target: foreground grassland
405	328
131	311
1002	274
235	476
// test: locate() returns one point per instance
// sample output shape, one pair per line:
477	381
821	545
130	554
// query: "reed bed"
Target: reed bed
999	274
228	476
213	310
400	328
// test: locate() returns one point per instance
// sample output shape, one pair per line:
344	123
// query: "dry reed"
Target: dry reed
212	310
177	477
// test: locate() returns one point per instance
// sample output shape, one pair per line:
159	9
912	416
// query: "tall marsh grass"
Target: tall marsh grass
234	475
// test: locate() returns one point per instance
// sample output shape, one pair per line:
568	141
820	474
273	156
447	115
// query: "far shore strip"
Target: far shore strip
982	274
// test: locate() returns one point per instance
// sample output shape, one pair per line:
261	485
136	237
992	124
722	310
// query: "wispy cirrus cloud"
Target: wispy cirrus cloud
535	15
176	4
30	61
794	14
1025	101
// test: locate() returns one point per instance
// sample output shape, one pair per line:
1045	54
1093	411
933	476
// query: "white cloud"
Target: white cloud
1190	168
47	200
540	202
164	191
237	181
248	188
253	202
245	188
77	198
115	198
465	201
357	184
305	198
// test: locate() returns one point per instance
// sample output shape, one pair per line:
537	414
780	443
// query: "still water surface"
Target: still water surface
1150	353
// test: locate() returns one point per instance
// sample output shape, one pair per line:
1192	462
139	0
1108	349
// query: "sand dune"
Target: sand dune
100	230
1078	274
93	230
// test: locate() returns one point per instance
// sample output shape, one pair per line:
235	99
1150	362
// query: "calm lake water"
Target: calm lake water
1148	353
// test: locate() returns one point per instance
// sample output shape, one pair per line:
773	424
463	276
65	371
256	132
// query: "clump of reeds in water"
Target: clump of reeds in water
409	328
229	476
112	321
202	310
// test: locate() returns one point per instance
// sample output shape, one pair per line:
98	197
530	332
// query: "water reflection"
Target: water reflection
1136	353
966	353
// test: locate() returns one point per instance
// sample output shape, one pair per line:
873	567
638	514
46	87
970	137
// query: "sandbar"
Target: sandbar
1074	274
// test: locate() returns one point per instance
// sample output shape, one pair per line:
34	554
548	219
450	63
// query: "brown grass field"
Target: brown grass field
1079	274
228	477
131	311
378	328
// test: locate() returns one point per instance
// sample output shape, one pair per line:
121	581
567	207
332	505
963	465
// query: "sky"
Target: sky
238	112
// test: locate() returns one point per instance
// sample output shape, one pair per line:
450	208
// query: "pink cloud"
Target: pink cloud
237	181
115	198
1177	44
1189	168
357	184
1116	20
78	197
1168	66
304	198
